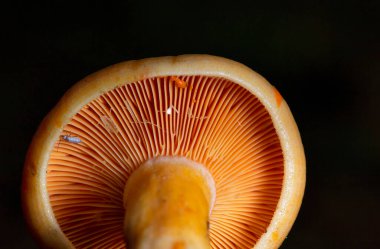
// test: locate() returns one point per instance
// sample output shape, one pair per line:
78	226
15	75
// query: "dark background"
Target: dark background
323	56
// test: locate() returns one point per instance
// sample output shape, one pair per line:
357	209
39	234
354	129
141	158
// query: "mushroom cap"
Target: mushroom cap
235	220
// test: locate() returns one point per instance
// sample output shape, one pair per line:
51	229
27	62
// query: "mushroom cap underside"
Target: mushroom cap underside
208	109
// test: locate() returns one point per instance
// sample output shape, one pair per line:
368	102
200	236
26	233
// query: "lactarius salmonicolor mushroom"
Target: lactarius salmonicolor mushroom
193	151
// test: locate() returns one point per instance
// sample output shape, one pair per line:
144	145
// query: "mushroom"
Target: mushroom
193	151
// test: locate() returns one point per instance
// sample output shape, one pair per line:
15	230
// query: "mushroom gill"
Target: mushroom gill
209	120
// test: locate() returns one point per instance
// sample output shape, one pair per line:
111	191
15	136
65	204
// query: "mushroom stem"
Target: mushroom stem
167	204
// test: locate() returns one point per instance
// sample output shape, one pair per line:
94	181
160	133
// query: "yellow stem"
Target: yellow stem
167	204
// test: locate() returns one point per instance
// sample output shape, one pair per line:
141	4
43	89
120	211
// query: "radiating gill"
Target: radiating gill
212	121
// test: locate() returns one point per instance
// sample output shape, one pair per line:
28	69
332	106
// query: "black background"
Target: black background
323	56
